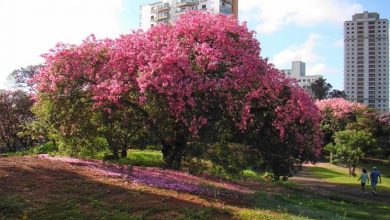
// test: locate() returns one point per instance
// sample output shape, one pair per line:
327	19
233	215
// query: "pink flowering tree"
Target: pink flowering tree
337	113
284	124
339	107
72	84
180	80
383	136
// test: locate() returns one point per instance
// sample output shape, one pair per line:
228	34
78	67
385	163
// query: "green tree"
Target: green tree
348	147
320	89
22	77
337	94
14	115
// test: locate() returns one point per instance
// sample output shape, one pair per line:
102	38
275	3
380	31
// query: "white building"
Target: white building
366	60
168	10
298	71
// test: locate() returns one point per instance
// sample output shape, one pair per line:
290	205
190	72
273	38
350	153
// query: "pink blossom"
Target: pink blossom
184	70
155	177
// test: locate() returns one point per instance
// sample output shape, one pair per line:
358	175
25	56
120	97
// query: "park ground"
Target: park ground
42	187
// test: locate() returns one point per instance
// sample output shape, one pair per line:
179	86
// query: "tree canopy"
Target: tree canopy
320	89
179	83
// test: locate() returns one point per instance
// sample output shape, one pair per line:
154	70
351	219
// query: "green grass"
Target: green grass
296	204
147	158
336	174
11	207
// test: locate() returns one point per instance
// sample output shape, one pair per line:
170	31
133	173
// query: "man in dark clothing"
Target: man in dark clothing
374	176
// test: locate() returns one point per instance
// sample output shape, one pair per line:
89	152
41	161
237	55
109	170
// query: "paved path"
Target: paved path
316	185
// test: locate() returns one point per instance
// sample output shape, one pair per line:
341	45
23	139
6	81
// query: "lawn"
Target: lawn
297	204
338	174
147	158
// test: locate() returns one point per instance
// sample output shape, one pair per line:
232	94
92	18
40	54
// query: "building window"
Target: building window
204	7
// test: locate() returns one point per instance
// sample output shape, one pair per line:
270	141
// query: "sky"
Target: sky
306	30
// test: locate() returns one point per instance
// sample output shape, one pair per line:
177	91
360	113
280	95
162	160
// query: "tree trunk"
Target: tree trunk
115	153
173	154
9	147
349	170
113	148
124	152
353	170
331	157
173	147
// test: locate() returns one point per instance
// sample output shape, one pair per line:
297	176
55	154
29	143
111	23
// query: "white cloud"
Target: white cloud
272	15
305	52
317	68
30	28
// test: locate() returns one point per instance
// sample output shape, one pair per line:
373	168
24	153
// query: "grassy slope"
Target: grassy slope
289	203
86	199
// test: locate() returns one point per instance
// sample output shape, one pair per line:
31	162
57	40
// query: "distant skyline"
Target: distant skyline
306	30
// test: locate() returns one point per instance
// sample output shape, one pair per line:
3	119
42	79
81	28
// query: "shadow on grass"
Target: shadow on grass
33	191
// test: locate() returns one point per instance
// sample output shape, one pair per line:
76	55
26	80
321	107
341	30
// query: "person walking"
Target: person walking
375	175
364	179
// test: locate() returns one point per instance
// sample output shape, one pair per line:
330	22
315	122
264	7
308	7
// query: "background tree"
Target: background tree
382	135
337	94
348	147
14	115
22	78
337	113
320	89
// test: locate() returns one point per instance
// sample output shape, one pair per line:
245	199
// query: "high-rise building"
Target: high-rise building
366	60
169	10
298	72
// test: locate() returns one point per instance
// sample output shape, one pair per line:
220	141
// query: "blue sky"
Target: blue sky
310	30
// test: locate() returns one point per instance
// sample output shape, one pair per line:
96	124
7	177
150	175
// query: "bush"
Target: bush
45	148
233	158
195	166
154	147
375	161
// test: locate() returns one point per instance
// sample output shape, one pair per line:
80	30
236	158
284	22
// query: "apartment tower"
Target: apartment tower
298	72
366	60
167	11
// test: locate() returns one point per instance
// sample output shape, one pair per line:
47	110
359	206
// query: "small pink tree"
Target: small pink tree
336	114
339	107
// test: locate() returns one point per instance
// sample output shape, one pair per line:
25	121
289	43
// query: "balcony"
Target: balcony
163	16
163	7
184	3
180	10
226	10
226	7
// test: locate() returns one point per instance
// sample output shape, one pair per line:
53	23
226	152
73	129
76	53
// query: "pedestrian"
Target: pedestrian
375	175
364	179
